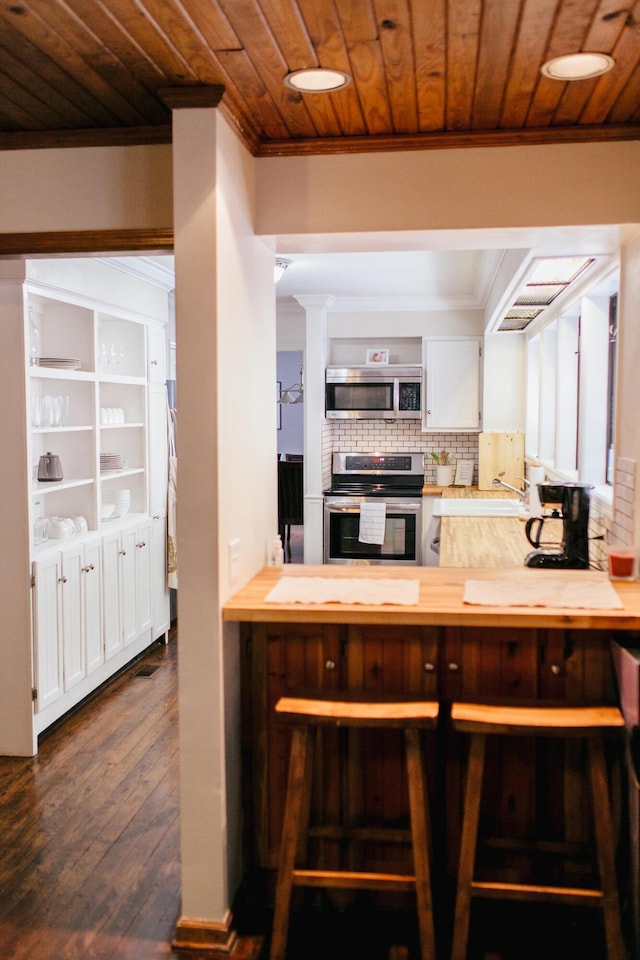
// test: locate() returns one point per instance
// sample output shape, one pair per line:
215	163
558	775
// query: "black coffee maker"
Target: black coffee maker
570	503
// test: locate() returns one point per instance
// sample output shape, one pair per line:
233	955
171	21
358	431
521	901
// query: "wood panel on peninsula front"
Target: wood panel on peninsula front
441	649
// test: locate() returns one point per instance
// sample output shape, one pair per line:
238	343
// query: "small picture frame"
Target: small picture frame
377	357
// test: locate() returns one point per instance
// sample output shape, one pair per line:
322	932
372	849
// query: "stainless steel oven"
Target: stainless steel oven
393	483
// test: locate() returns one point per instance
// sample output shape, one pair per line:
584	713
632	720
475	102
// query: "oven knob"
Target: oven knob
330	665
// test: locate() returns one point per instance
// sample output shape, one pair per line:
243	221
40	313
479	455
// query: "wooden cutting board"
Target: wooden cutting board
500	455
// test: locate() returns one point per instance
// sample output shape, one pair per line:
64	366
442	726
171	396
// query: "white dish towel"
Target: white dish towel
372	522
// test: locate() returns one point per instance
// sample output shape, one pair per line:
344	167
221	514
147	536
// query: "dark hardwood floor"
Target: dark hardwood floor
89	829
294	547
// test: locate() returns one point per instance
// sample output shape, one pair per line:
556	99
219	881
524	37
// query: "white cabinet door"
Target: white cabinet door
452	372
111	616
74	663
92	570
47	631
127	584
143	578
156	354
160	613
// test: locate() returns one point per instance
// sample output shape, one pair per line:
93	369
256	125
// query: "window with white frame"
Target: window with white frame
571	381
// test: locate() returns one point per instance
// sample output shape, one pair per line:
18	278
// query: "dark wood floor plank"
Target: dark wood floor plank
89	829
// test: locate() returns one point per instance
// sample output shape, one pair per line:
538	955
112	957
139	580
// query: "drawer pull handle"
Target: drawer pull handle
428	667
453	666
330	664
555	669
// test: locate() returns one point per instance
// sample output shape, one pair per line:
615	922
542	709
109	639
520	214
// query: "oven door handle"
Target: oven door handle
392	507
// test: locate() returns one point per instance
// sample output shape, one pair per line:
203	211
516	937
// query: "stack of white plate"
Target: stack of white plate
112	461
63	363
121	500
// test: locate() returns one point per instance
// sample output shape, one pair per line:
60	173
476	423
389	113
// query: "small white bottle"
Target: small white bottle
276	552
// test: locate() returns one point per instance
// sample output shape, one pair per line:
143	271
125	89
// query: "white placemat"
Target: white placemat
597	595
350	590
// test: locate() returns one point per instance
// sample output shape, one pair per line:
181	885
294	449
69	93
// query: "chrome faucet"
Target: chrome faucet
497	482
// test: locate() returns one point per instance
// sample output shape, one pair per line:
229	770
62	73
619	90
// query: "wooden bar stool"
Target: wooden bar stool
588	723
306	715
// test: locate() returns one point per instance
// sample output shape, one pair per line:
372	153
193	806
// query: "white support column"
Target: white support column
316	308
205	919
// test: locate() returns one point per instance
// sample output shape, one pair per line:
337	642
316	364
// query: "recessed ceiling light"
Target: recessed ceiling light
317	80
577	66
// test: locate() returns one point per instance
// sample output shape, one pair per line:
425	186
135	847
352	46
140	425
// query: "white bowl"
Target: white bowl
107	510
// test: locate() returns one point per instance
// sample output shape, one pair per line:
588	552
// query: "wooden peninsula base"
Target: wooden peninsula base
441	649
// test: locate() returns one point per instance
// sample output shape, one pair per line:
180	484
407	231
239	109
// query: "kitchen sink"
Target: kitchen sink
480	507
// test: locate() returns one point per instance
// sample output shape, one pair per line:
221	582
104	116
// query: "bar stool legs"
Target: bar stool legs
421	839
473	791
296	819
589	724
306	715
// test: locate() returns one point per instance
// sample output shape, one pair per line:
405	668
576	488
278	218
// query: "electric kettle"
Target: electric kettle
49	467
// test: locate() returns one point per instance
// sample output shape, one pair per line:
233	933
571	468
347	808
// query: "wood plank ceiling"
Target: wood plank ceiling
424	72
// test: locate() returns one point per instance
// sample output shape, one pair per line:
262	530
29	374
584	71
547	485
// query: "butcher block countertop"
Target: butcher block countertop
486	541
440	601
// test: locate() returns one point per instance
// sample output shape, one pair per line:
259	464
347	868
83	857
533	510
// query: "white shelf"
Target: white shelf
55	373
116	474
112	378
121	426
53	486
84	428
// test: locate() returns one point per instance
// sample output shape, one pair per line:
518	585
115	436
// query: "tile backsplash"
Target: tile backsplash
373	436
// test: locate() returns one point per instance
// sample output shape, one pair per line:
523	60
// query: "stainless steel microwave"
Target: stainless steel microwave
392	392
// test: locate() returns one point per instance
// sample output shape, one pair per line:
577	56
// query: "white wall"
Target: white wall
627	443
90	188
16	679
449	190
427	323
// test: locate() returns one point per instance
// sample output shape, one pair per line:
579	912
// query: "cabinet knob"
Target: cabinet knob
62	580
142	544
555	669
330	664
154	363
453	666
428	667
122	553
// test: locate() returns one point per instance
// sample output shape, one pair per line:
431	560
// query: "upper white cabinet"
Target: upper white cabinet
453	377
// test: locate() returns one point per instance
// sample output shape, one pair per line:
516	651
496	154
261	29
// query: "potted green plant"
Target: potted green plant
444	468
